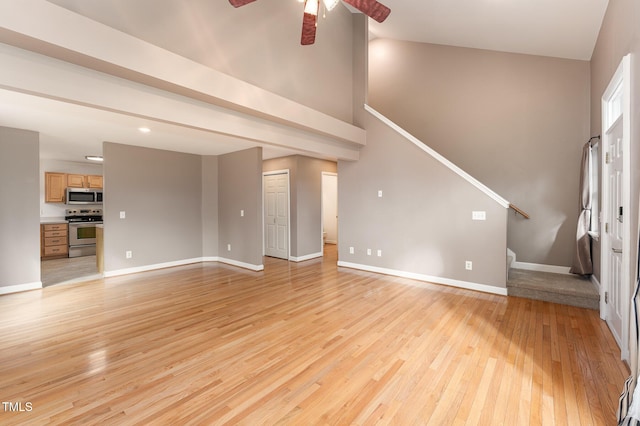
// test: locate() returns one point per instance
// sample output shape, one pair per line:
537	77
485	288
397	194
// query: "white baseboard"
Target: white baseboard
239	264
305	257
427	278
21	287
145	268
153	267
541	267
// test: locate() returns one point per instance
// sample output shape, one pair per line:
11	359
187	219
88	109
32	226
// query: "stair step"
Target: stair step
571	290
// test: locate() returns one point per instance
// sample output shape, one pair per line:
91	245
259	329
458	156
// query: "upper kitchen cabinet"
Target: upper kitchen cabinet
55	184
75	181
94	181
84	181
54	187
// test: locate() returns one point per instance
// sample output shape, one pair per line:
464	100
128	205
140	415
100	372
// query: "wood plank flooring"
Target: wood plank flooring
299	344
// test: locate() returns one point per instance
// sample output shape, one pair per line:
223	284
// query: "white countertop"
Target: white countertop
52	220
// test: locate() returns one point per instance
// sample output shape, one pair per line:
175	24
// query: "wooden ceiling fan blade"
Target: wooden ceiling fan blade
371	8
310	22
308	29
238	3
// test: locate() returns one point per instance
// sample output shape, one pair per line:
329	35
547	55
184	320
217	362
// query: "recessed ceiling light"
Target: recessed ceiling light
94	158
144	129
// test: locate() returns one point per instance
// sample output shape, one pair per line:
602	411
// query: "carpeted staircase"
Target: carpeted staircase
565	289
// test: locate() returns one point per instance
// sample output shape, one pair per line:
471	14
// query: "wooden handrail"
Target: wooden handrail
519	211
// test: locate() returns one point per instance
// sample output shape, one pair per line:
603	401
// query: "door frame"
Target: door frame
272	173
322	206
622	77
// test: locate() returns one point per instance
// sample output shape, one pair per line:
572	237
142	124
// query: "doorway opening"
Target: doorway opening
329	209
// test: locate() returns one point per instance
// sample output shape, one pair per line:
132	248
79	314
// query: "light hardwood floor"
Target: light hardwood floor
300	344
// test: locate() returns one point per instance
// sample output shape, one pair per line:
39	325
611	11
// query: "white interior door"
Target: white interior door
276	215
616	289
614	230
330	207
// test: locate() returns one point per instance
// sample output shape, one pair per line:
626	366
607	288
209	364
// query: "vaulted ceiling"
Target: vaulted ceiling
566	29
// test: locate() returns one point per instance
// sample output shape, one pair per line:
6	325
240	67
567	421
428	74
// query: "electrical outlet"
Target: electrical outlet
241	213
368	252
123	214
352	250
380	193
468	265
128	254
228	247
379	253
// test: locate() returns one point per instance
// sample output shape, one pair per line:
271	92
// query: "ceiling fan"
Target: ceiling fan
371	8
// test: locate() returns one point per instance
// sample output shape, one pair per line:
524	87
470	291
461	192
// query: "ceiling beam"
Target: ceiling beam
232	104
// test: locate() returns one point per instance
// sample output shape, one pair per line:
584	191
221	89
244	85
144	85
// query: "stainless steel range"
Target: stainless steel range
82	230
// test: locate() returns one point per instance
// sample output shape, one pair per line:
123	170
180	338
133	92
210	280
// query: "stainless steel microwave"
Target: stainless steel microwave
83	196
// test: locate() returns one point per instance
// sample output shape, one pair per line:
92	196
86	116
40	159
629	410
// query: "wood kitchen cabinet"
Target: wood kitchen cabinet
94	181
75	181
84	181
54	240
54	187
55	184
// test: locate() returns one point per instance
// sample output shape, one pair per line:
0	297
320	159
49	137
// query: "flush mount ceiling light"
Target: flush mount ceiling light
371	8
330	4
97	158
144	129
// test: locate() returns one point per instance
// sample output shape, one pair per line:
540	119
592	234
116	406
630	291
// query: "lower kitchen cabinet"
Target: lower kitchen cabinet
54	240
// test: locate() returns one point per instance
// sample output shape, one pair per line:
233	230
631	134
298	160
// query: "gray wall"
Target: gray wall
210	206
19	214
423	222
160	191
305	184
258	43
240	188
619	35
515	122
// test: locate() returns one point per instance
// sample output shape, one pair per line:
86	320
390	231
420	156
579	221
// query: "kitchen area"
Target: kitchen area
70	220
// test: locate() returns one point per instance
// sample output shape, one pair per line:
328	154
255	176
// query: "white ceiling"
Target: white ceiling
558	28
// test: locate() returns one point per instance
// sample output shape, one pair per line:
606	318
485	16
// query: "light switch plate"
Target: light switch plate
479	215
